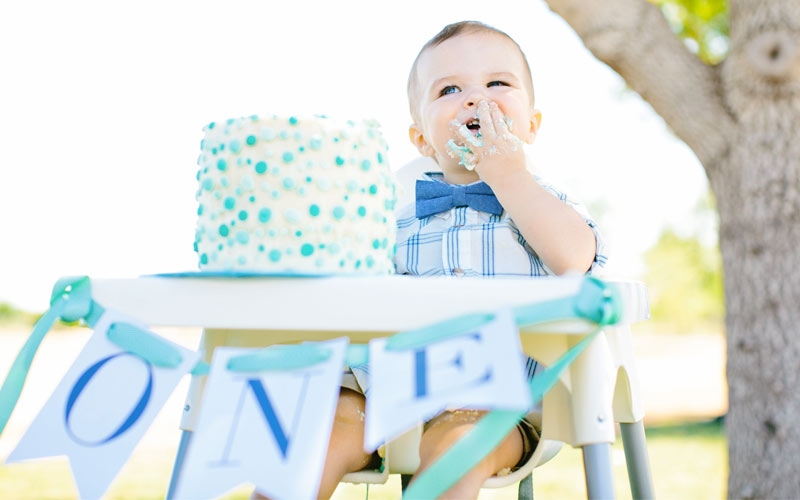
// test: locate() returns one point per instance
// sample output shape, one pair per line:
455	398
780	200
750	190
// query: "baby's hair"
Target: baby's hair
452	31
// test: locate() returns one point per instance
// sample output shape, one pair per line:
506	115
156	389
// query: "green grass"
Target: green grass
688	461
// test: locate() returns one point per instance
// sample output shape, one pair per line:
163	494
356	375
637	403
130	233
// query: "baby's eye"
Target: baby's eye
497	83
450	89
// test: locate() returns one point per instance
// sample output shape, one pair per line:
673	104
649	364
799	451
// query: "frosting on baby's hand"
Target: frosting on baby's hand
474	147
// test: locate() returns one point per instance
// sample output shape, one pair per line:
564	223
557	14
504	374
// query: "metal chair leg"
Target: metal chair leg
637	460
526	488
599	475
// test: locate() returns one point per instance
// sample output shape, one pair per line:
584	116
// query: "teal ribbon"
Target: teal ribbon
293	357
280	357
148	346
415	339
71	301
596	302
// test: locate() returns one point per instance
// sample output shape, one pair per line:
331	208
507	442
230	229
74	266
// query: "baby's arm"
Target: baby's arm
558	234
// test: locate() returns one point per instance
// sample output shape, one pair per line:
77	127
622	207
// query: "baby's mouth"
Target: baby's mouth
474	126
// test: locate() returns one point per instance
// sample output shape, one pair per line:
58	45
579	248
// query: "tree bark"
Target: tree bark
741	119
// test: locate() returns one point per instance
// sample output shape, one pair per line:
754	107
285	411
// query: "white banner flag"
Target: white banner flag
102	408
267	428
481	368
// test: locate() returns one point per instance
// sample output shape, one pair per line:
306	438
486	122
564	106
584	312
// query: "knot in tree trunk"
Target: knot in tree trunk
773	55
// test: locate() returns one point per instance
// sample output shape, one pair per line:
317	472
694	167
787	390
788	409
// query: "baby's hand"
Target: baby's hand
493	140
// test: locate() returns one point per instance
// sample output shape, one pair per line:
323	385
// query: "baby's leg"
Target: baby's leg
447	428
346	447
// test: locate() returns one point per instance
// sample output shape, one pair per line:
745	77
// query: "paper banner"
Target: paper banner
268	428
102	407
477	367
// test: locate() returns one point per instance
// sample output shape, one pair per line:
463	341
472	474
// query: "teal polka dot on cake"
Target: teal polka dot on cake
315	143
235	146
373	189
204	259
376	244
251	140
307	249
243	215
274	255
313	210
230	202
293	120
222	164
223	230
264	215
288	157
338	212
288	182
362	211
380	157
243	237
365	165
339	161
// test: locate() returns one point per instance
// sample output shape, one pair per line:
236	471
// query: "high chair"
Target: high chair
596	391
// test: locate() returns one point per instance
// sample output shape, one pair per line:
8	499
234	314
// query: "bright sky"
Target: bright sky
103	104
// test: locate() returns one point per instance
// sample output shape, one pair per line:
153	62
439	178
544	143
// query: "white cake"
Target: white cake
295	195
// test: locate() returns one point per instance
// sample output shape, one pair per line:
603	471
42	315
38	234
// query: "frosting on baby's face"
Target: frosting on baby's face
468	148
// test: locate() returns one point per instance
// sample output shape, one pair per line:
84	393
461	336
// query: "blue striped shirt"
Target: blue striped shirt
467	242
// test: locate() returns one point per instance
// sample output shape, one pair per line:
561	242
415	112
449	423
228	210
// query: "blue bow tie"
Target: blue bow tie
436	197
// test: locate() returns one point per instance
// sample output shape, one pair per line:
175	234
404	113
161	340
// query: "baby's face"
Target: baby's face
454	77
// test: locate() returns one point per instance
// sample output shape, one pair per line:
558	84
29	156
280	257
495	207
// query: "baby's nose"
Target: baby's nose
473	98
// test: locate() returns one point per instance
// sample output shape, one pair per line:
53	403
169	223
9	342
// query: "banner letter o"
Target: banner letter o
80	385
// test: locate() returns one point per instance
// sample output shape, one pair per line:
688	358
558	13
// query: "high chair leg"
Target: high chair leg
525	491
636	458
599	475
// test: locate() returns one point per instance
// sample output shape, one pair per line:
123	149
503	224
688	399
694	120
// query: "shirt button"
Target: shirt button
458	271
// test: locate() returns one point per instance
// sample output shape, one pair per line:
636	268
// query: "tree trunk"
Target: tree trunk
742	119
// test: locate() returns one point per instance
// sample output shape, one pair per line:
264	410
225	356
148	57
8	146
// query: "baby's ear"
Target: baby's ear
535	123
419	141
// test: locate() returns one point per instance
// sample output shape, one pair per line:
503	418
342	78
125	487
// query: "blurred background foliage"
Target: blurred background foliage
683	274
701	24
